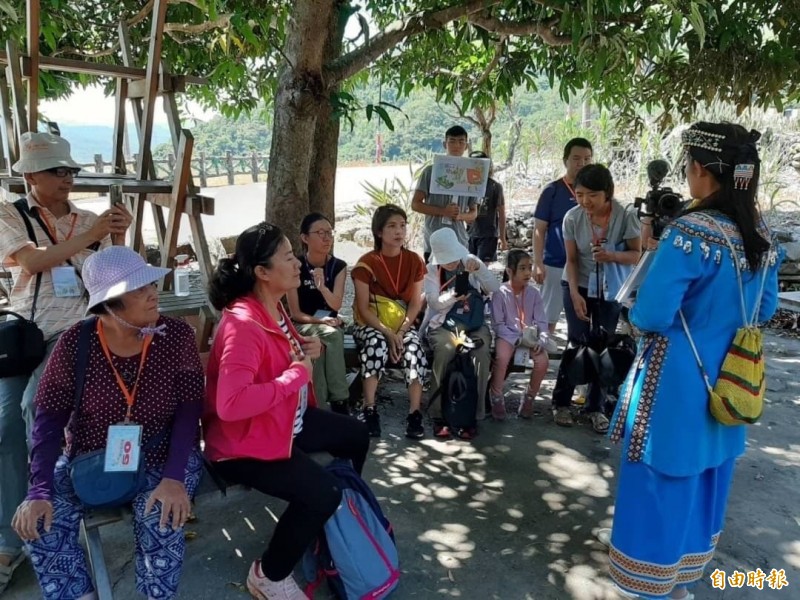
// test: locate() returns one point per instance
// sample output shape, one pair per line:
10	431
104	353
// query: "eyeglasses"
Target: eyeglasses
62	172
323	234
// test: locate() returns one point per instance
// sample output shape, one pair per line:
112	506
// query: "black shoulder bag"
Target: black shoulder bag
22	345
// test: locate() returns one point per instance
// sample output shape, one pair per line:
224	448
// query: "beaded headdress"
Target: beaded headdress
706	140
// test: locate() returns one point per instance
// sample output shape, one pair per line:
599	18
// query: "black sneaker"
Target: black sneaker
414	427
373	421
340	406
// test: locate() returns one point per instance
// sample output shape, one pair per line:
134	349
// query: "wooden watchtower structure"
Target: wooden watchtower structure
141	86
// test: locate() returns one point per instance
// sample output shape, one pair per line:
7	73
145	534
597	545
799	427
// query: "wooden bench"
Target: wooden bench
94	520
194	305
789	301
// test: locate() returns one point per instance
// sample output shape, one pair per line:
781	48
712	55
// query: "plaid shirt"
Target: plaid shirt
53	314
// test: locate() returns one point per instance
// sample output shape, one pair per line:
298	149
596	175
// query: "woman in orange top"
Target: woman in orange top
395	273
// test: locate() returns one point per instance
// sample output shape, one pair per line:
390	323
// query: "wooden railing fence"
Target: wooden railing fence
203	167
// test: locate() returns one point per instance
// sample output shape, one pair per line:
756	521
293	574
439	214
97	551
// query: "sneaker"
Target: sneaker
467	433
373	421
265	589
498	408
414	429
526	408
340	406
440	429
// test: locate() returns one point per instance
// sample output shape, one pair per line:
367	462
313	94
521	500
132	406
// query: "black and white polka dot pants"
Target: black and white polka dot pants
373	353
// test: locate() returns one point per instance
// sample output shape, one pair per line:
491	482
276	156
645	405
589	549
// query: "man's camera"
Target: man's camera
661	204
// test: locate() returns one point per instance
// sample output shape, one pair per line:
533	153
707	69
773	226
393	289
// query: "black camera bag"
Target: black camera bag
22	345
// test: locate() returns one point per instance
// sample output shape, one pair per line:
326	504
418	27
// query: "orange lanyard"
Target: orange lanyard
130	396
569	187
520	307
52	229
394	281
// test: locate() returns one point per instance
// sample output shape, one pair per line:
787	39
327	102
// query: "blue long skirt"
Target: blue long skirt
666	528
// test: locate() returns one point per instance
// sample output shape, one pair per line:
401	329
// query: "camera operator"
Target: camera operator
659	206
602	241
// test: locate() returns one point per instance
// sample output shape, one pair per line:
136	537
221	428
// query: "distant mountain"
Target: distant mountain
88	140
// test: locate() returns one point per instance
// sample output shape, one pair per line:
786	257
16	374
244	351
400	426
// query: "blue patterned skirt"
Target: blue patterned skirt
666	528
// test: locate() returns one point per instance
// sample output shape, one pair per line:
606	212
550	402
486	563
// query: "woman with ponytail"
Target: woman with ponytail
677	460
261	420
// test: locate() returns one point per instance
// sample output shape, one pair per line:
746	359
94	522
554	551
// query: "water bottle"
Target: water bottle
182	275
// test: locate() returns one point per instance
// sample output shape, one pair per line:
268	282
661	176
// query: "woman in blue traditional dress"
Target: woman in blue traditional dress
677	460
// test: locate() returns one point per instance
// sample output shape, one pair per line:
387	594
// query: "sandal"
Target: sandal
599	422
563	417
7	572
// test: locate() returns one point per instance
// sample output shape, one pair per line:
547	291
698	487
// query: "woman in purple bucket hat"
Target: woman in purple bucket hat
143	370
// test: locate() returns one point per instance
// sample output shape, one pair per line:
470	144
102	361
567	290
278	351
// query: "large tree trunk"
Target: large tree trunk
322	184
298	101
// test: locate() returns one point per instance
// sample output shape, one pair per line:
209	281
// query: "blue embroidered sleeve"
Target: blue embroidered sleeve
769	299
678	262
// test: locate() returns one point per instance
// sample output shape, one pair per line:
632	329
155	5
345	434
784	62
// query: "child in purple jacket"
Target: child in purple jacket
521	329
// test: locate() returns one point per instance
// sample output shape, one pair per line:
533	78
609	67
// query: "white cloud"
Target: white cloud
91	107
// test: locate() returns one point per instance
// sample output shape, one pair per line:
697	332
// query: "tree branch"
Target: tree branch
88	53
220	22
354	61
148	8
543	29
498	51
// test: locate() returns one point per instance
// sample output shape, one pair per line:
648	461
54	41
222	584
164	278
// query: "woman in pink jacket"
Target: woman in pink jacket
261	419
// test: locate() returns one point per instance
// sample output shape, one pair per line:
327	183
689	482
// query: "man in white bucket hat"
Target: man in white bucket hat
65	236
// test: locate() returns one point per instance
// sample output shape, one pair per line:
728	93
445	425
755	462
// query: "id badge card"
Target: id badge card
522	357
123	446
595	286
65	282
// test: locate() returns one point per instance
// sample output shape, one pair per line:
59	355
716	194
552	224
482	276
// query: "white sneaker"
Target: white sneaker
265	589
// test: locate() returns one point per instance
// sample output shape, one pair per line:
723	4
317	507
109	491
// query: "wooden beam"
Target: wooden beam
32	12
15	80
150	169
136	104
159	15
167	84
180	183
196	204
71	65
7	124
118	153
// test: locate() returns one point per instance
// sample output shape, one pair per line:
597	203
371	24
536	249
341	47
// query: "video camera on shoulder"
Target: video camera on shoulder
661	204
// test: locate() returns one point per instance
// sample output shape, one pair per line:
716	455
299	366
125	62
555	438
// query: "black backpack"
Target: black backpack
459	391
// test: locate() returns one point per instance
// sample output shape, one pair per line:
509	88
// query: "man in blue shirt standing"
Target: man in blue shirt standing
549	254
